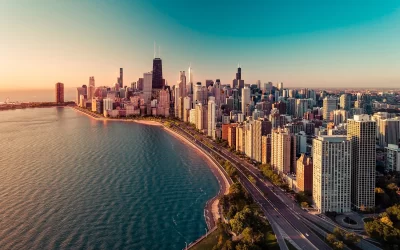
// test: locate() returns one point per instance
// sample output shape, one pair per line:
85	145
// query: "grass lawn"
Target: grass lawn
209	242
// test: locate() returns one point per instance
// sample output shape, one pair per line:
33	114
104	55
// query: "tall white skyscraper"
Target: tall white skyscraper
147	86
332	174
245	98
190	81
211	118
361	131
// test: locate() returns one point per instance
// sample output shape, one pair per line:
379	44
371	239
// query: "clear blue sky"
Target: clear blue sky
353	43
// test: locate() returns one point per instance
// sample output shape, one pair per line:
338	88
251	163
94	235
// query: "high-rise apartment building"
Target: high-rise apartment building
262	127
283	151
59	92
340	116
389	132
361	132
245	99
147	86
345	102
304	173
329	104
332	182
211	119
266	149
392	160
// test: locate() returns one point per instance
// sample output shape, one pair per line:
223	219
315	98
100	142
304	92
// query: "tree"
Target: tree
338	245
248	235
386	220
330	238
304	204
352	238
394	212
339	233
236	225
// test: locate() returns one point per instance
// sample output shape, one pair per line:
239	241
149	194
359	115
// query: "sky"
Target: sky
336	43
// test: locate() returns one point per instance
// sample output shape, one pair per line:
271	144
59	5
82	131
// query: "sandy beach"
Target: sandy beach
211	210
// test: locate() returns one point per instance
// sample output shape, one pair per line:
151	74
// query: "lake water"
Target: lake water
70	182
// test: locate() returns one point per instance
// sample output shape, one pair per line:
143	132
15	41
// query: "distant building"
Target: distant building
345	102
392	158
329	104
59	92
332	174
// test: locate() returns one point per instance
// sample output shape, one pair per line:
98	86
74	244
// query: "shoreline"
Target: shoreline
211	210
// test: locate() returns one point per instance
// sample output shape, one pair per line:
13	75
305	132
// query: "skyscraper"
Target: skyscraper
59	92
332	174
157	82
211	118
121	78
238	82
245	99
147	85
91	89
345	102
283	151
361	131
329	104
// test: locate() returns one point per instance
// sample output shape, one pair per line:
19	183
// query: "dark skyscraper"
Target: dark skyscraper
157	74
121	78
238	83
239	74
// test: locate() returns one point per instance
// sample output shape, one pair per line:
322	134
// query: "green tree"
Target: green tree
248	235
352	238
236	225
304	204
330	238
338	245
339	233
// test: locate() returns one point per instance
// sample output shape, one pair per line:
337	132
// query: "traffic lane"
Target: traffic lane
295	235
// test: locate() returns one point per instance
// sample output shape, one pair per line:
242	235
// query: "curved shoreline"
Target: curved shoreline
211	210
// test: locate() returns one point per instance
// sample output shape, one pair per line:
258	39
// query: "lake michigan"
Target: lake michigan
70	182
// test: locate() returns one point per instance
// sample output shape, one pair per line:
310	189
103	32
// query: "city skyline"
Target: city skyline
342	44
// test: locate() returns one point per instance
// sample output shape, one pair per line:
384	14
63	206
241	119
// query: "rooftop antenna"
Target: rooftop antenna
159	51
154	49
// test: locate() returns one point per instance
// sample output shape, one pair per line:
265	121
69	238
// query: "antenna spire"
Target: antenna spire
154	52
159	51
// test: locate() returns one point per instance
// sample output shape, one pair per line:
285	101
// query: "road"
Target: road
276	211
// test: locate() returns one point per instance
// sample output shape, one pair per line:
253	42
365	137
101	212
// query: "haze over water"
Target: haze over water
70	182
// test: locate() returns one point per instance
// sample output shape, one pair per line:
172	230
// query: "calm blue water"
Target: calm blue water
70	182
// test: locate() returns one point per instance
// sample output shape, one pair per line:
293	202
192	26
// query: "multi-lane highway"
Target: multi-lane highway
276	211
